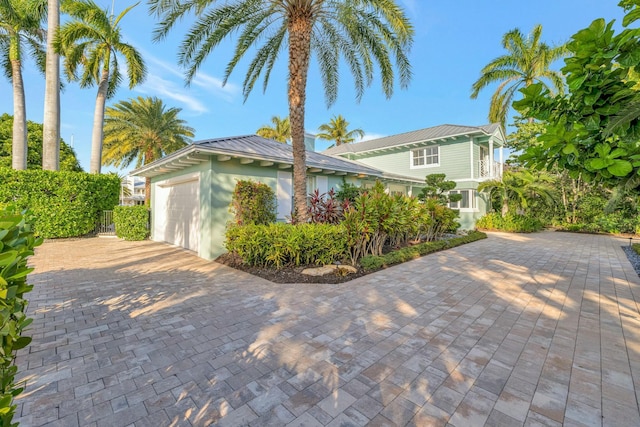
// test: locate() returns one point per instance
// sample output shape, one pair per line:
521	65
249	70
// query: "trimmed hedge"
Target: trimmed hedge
636	248
279	244
17	242
371	262
63	204
512	223
132	222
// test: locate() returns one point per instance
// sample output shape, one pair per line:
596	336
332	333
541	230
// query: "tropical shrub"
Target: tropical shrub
131	222
372	262
279	244
325	208
510	222
253	203
348	192
17	242
62	204
636	248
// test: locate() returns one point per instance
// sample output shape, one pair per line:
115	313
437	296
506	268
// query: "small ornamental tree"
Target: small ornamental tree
253	203
438	189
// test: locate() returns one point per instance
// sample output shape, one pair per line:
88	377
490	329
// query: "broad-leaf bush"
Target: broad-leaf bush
63	204
279	244
131	222
511	222
253	203
17	242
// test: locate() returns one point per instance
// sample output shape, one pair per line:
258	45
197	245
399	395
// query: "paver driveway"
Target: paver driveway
539	329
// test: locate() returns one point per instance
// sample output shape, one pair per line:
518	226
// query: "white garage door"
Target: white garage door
176	213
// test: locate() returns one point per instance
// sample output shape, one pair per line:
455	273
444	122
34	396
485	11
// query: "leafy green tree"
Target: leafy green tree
338	130
437	188
362	34
585	133
92	41
280	131
67	156
520	189
527	61
20	33
142	130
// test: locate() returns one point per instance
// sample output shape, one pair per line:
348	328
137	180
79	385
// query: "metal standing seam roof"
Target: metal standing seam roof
421	135
258	148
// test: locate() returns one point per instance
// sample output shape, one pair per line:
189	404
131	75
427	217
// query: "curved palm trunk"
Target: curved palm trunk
51	125
300	28
19	145
98	124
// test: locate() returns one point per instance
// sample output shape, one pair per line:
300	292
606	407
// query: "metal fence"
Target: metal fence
105	226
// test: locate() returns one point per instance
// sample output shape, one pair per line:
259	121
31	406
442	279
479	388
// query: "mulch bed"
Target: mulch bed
287	274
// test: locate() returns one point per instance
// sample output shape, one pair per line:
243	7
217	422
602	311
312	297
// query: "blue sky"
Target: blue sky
453	41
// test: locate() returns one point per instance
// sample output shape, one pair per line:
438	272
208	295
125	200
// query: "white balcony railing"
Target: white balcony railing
491	170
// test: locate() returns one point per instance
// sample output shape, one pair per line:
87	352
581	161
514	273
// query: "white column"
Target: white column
501	161
471	157
491	174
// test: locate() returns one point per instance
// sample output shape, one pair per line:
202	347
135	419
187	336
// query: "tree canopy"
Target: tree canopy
592	131
338	130
68	160
527	61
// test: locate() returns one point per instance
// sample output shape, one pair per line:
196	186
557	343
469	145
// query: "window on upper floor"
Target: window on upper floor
468	201
425	157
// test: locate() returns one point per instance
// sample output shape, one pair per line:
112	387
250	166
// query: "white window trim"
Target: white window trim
425	166
473	197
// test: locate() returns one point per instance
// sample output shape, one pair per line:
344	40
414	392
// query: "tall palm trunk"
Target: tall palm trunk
51	125
19	145
98	123
300	28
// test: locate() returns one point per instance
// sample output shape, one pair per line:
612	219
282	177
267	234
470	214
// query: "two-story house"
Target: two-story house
465	154
191	189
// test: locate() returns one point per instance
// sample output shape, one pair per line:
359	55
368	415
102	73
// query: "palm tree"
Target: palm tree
280	131
363	33
144	130
520	188
20	32
337	130
51	135
92	42
527	61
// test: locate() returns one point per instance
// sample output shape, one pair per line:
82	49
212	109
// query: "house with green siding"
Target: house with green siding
191	189
465	154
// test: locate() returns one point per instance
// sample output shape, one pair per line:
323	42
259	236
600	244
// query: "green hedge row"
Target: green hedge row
512	223
279	244
131	222
63	204
17	242
371	262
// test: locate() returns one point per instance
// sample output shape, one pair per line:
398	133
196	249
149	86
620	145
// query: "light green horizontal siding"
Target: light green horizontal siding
454	160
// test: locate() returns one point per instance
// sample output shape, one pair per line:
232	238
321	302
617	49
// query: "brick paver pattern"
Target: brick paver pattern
534	330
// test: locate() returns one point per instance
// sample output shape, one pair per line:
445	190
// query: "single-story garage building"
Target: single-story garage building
191	189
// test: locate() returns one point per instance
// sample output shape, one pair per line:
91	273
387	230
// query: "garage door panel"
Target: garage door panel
177	210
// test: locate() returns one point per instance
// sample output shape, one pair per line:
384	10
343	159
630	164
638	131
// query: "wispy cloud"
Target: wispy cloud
370	136
155	85
411	5
212	84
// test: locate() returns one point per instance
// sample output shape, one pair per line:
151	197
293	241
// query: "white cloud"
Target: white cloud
370	136
210	83
155	85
